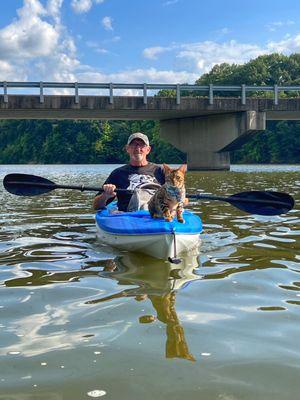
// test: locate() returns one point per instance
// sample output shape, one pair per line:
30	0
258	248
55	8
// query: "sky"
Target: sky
137	41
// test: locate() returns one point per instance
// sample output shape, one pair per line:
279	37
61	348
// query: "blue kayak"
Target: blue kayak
138	231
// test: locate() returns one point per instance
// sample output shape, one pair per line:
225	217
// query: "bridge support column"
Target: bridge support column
208	140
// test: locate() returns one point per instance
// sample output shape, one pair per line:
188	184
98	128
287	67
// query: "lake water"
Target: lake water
80	320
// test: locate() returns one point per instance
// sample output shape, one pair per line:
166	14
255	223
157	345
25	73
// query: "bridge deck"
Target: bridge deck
133	107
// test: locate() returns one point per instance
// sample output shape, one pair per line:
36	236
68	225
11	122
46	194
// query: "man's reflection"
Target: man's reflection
158	282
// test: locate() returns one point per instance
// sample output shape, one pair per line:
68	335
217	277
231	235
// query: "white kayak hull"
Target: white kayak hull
159	245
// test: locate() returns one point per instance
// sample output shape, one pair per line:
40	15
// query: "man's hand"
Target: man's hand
109	191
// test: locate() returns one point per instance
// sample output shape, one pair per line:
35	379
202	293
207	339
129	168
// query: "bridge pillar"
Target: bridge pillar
207	140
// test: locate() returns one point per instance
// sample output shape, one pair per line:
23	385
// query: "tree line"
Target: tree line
78	142
90	142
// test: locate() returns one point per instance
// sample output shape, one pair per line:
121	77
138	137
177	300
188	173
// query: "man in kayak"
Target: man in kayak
137	173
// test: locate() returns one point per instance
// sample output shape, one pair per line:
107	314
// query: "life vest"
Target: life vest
141	195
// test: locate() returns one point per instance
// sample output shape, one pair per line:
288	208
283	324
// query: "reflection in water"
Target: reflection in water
148	278
249	285
176	345
158	282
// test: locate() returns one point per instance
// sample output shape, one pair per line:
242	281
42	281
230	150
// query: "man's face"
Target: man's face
138	150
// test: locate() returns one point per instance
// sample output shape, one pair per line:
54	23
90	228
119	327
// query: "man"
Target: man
130	176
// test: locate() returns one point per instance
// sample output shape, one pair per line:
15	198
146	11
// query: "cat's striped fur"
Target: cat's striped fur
168	200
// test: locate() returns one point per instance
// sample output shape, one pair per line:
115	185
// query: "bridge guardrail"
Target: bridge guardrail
209	89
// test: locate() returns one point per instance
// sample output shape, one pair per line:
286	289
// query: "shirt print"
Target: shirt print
136	180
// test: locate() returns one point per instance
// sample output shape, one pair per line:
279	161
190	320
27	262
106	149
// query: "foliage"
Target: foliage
77	142
280	143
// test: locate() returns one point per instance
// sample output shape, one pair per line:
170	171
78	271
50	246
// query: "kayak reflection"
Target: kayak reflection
158	282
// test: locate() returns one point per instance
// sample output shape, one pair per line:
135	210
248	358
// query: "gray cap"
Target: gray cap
138	135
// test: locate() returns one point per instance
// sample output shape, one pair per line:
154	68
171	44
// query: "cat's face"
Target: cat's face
175	177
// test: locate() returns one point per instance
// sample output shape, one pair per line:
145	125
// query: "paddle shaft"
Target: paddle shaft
53	186
83	188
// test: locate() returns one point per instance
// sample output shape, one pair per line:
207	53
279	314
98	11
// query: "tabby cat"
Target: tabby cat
169	199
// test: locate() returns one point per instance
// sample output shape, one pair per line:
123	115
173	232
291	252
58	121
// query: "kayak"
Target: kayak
137	231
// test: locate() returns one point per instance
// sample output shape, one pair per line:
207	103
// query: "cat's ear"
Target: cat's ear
183	168
167	169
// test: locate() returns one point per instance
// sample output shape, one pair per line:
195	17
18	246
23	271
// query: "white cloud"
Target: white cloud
152	52
53	9
286	46
200	57
140	75
96	47
83	6
107	23
8	72
274	26
203	56
29	36
170	2
33	48
224	31
31	7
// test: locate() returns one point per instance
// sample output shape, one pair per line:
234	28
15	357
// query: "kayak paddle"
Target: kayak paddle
32	185
253	202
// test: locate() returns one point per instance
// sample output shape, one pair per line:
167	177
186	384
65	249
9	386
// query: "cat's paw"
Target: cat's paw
169	219
181	220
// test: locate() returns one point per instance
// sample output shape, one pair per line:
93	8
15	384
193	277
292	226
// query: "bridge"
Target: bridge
207	126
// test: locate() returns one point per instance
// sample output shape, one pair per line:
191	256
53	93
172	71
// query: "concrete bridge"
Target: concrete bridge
207	128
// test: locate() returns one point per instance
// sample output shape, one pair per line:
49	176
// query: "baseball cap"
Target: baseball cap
138	135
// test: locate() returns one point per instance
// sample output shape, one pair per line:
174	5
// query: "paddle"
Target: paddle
32	185
253	202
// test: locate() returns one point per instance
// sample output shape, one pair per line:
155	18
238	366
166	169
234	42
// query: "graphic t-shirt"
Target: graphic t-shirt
130	177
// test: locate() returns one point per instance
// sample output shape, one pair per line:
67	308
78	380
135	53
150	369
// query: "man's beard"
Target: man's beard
138	157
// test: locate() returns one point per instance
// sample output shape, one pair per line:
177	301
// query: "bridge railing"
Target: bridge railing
145	87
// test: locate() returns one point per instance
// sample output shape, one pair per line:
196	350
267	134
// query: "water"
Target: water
80	320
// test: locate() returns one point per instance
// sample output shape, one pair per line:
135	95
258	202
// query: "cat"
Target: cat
169	199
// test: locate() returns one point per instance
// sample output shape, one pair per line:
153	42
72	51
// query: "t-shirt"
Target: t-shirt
130	177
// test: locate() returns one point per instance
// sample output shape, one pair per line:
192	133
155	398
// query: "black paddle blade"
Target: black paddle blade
263	203
27	185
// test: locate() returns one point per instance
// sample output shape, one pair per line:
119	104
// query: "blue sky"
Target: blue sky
136	41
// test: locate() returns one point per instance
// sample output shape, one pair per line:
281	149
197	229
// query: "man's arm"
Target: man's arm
101	200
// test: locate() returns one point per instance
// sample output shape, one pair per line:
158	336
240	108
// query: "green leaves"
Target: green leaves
77	142
280	143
